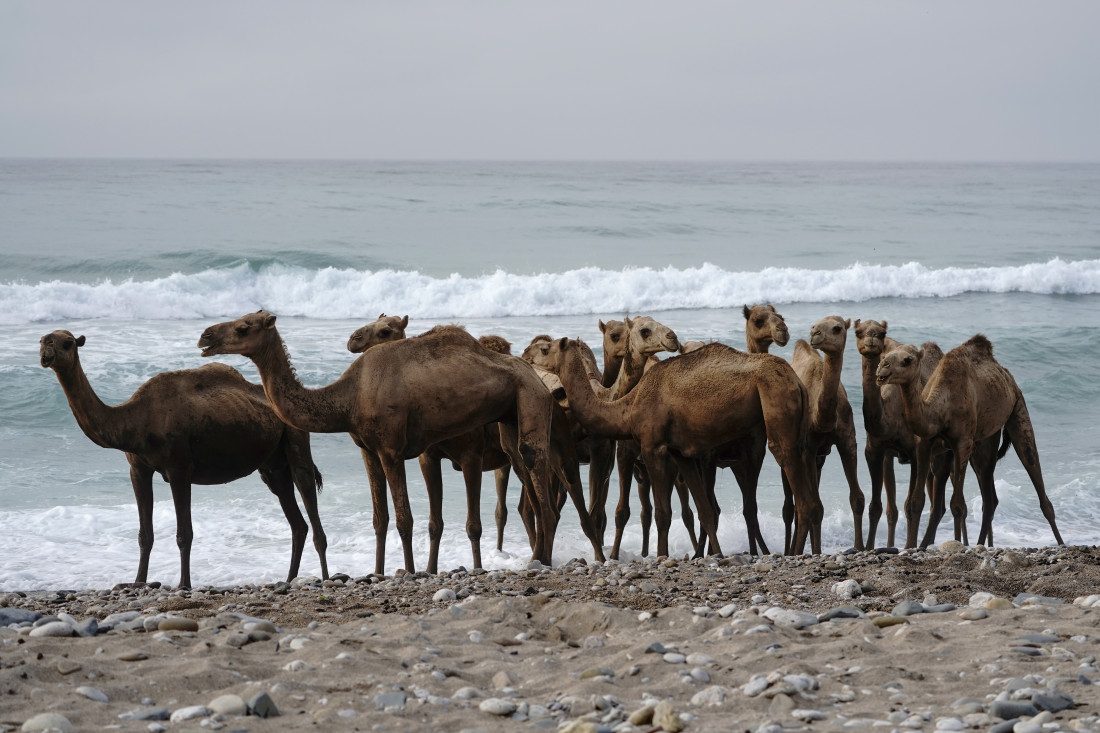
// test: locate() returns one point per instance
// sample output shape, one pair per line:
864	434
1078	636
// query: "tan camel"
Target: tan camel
965	404
471	453
614	344
196	426
399	398
380	330
684	408
831	419
763	327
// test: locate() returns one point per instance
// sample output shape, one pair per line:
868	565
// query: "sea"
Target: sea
140	256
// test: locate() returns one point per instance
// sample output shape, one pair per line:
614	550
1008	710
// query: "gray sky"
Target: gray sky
562	79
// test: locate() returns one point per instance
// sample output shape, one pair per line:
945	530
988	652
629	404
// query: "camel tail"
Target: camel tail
1006	443
318	478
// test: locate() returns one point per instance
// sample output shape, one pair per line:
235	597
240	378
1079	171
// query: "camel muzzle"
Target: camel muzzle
208	342
46	360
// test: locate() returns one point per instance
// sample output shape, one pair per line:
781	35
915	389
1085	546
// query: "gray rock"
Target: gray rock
1004	726
47	722
1040	638
145	714
175	623
87	627
466	693
190	713
790	617
973	614
67	666
497	706
444	595
390	700
53	628
18	616
1031	599
656	648
939	607
840	612
700	675
1009	709
674	658
1028	651
262	706
1053	701
908	608
714	695
93	693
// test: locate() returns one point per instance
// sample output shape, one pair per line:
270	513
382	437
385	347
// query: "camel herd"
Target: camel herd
669	424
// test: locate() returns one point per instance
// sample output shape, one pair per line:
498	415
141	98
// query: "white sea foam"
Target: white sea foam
347	293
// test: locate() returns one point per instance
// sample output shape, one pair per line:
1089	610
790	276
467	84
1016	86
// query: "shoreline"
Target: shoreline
950	639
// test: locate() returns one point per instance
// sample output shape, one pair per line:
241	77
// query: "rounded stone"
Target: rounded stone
228	705
497	706
444	595
53	628
47	722
176	623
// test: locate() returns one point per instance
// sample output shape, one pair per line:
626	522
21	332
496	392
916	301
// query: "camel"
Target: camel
196	426
399	398
686	407
764	326
831	419
965	404
471	453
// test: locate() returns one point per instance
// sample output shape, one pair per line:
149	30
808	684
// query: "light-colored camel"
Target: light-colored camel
965	404
196	426
831	419
399	398
471	453
684	408
763	327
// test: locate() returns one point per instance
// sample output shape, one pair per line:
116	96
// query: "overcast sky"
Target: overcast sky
554	79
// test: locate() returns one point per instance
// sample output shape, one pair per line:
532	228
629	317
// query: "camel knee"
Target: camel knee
528	453
381	522
473	529
145	540
435	529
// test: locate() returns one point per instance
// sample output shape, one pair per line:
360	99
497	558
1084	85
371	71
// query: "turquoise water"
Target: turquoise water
140	256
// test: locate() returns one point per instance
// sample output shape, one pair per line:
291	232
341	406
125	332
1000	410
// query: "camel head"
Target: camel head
899	366
244	336
647	337
382	329
830	334
870	337
686	347
614	338
58	349
764	325
542	353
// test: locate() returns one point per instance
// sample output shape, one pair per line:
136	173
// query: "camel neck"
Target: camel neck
599	417
915	414
102	423
872	395
323	410
828	396
630	373
755	346
611	367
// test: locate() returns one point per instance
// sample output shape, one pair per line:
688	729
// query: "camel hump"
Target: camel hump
978	342
499	344
445	329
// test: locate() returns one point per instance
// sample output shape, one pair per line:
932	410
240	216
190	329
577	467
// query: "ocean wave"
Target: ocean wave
332	292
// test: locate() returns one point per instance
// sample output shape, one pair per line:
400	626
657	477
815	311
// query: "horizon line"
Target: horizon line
306	159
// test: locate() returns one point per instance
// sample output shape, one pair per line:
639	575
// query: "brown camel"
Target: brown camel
471	453
965	404
764	326
196	426
831	419
399	398
684	408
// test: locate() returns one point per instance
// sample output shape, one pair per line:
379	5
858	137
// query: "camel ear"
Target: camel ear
404	321
629	323
381	315
269	320
848	323
884	325
79	340
857	324
746	311
563	343
603	326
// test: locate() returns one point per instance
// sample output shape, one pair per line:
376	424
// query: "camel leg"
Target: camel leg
984	463
281	485
533	416
710	477
625	467
1022	433
962	451
890	487
602	459
394	467
914	502
569	474
430	467
501	476
747	473
788	515
692	471
687	515
380	509
307	478
142	480
876	460
471	472
846	446
808	510
180	482
645	503
661	477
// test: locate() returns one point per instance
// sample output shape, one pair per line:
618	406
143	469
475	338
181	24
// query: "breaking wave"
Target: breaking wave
348	293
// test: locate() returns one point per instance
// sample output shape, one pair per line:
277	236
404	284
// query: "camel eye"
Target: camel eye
759	322
384	333
836	329
645	333
614	338
242	329
907	361
67	345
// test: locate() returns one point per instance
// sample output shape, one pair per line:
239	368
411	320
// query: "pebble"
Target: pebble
228	705
390	700
808	714
951	547
840	612
908	608
700	675
727	610
665	717
703	611
466	693
176	623
847	589
656	648
66	666
714	695
950	724
973	614
10	616
503	679
497	706
1010	709
674	658
696	658
1053	701
641	716
190	713
755	686
146	713
884	621
989	601
790	617
444	595
262	706
47	722
53	628
134	656
93	693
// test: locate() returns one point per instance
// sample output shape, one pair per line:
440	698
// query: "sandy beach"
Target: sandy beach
949	639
